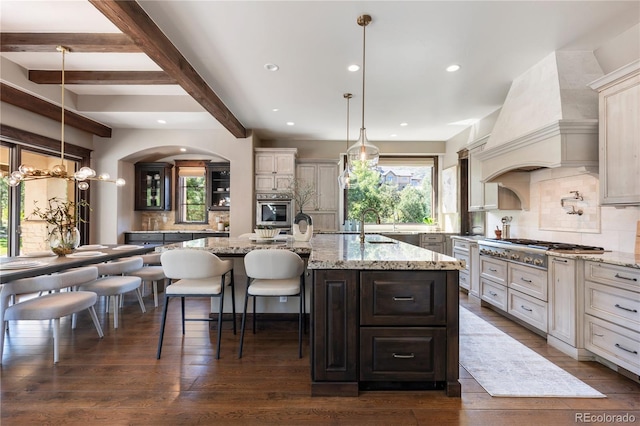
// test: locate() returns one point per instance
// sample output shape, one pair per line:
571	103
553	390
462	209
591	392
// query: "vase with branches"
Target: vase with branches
62	218
301	192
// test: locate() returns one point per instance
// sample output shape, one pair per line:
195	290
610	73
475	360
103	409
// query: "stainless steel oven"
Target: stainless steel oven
274	209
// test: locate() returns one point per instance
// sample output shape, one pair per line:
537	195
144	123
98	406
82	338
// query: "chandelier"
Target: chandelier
363	150
26	172
344	180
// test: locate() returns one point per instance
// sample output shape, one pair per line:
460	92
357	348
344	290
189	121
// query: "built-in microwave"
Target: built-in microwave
274	209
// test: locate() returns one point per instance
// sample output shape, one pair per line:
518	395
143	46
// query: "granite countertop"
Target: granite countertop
326	251
180	231
340	251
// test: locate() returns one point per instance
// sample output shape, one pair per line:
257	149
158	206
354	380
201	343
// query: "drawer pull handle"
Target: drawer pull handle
526	309
463	279
626	278
625	349
560	260
525	280
626	309
404	356
493	270
493	293
599	335
403	299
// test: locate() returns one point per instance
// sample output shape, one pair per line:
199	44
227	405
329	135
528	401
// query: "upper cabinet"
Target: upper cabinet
219	186
619	100
153	186
274	168
487	196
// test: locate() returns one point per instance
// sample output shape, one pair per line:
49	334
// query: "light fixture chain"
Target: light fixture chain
63	50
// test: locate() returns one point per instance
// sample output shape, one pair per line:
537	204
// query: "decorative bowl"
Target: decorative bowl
266	233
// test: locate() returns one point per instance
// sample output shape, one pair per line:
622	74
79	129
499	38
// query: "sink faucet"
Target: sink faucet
364	213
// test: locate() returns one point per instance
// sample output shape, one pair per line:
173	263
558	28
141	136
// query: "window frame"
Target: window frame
179	189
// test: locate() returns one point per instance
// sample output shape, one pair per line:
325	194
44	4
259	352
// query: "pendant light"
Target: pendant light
363	150
59	171
345	177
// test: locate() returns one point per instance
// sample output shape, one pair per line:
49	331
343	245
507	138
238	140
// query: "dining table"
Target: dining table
46	262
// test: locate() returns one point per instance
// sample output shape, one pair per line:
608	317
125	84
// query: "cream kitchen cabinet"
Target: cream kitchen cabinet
274	168
619	138
323	206
612	313
487	196
469	277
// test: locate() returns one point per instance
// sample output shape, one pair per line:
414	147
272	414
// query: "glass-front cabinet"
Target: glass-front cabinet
153	186
219	186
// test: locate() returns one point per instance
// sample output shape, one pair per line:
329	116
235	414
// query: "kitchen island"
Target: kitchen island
384	314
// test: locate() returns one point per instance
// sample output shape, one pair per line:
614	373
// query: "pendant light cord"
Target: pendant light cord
63	50
364	44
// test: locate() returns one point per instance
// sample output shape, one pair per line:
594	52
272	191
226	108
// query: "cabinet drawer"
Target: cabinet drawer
529	309
493	293
437	247
461	245
181	236
462	255
464	280
431	238
402	298
620	276
528	280
143	238
618	345
613	304
412	353
495	270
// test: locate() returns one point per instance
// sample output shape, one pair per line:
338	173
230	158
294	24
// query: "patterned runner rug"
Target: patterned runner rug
505	367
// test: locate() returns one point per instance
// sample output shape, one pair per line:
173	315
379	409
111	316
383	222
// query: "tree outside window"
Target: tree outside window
399	190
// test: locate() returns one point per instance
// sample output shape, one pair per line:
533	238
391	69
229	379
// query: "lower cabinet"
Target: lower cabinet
384	330
167	237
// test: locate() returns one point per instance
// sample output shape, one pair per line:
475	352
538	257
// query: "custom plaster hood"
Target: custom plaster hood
549	119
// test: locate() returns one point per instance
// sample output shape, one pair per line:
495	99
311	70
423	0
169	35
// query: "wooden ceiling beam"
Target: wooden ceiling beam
132	20
101	77
17	97
75	42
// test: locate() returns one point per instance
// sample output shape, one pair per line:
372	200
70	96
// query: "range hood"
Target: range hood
549	119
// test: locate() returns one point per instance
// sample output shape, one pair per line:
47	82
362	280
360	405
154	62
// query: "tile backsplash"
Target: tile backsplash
165	221
603	226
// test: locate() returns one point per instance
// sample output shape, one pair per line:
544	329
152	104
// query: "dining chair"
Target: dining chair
273	273
52	306
113	283
198	274
151	271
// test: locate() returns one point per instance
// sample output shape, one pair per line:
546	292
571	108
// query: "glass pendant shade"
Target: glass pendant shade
344	180
363	150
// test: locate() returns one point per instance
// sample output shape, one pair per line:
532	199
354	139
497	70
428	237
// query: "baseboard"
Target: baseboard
579	354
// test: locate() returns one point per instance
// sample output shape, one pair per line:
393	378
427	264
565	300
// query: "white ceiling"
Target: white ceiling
408	46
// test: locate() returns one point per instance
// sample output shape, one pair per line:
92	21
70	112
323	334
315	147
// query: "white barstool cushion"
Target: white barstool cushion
49	306
151	259
273	264
283	287
77	276
120	267
149	273
193	264
109	286
195	286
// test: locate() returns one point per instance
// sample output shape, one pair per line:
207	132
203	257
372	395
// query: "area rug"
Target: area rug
505	367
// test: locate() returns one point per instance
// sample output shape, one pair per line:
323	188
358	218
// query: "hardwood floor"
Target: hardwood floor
117	380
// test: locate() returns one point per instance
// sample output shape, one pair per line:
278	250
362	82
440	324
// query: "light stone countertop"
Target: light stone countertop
180	231
619	258
335	251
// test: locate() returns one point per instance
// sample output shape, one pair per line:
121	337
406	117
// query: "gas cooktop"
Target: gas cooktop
549	245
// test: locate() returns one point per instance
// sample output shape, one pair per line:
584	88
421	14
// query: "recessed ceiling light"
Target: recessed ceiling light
404	124
290	123
453	68
353	68
183	149
275	109
467	122
271	67
393	135
162	121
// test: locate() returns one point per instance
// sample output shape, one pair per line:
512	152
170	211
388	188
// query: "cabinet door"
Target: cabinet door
324	221
562	299
284	163
620	142
306	175
476	187
153	186
265	183
327	187
474	270
265	163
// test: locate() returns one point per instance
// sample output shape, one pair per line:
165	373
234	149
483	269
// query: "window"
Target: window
400	190
191	193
